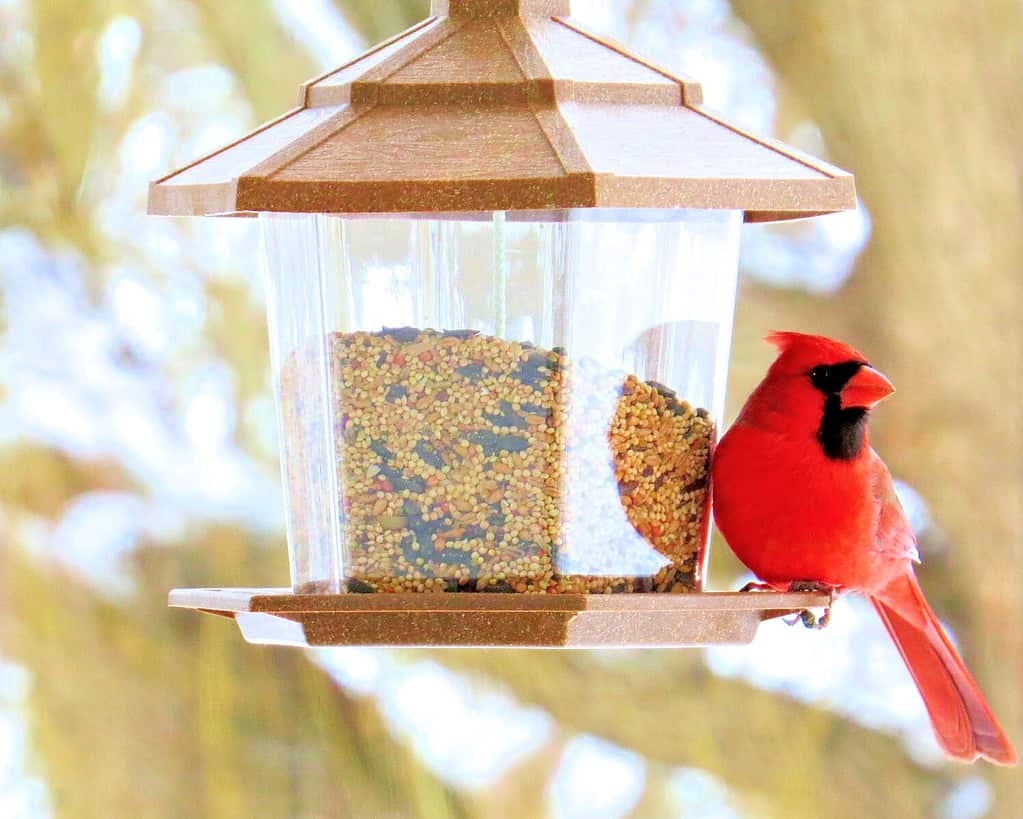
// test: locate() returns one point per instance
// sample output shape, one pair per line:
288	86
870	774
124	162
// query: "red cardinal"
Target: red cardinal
802	499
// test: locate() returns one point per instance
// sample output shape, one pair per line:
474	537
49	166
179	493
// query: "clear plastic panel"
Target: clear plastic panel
296	305
499	402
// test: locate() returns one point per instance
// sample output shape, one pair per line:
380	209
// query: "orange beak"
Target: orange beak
867	388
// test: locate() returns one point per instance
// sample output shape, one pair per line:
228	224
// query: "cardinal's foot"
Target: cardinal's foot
754	586
809	586
809	619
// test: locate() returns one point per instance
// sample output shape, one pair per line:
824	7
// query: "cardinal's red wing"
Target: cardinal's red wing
893	536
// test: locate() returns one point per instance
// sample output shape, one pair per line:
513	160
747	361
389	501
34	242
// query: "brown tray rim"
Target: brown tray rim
488	620
277	600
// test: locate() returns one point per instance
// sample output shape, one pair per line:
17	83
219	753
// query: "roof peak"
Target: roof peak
502	105
499	60
498	8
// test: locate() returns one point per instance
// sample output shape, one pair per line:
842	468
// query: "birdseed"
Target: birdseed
472	463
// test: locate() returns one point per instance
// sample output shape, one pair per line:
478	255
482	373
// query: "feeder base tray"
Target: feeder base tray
278	617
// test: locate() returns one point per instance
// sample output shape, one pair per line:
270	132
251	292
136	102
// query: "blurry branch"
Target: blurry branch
52	115
376	21
58	135
65	38
914	104
236	328
145	712
791	759
523	789
43	481
247	37
243	32
656	801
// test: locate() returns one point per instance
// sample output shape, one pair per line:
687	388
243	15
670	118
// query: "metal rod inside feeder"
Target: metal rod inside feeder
500	276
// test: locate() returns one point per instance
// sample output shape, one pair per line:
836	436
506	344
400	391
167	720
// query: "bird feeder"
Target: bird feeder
501	257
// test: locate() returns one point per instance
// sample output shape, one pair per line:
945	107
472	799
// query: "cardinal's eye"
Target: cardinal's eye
831	378
820	376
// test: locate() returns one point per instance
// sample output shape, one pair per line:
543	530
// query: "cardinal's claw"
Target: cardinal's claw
754	586
809	619
808	586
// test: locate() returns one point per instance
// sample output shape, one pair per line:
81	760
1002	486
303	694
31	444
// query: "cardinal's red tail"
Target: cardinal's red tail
963	723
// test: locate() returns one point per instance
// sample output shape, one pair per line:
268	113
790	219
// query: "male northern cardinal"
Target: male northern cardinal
802	499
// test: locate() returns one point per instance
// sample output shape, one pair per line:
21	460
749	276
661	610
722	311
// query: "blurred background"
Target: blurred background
138	450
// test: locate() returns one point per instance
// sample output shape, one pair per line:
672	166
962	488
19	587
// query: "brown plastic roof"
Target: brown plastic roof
502	105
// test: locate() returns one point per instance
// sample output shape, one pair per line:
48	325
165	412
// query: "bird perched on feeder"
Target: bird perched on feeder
805	503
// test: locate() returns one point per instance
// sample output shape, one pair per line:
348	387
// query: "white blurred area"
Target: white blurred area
23	795
125	373
467	736
585	761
